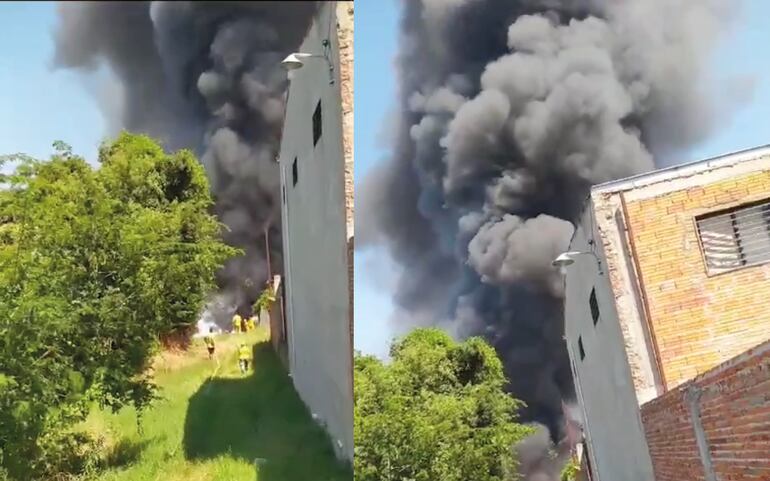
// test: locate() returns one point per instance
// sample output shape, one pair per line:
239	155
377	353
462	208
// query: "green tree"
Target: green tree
95	265
437	410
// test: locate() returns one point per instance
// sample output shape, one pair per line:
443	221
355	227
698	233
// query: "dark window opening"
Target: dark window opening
580	348
294	172
283	191
317	123
594	306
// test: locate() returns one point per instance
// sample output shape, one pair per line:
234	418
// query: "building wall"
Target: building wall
315	239
670	319
345	30
677	321
345	35
699	320
612	427
274	317
715	427
606	211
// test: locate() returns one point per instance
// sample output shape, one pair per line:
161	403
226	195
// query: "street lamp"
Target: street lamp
568	258
295	61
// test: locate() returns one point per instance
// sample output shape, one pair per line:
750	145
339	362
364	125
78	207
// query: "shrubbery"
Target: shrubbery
95	265
437	410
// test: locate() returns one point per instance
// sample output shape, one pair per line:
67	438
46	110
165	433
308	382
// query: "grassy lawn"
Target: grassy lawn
214	423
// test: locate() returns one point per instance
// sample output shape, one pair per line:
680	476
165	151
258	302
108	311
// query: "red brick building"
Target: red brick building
677	284
716	426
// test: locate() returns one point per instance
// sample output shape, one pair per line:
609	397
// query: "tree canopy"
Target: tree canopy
95	265
436	410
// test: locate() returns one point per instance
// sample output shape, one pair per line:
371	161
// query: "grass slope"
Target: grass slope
213	423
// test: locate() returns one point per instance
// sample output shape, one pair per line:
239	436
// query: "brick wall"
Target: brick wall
345	39
345	29
698	320
733	401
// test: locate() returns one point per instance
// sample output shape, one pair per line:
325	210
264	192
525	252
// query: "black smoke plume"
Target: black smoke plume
509	111
204	76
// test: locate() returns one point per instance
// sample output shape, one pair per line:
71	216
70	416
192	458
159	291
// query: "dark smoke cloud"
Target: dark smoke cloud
509	111
205	76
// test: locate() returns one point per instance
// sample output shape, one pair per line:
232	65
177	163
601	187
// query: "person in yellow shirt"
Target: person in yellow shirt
251	324
209	341
237	323
244	356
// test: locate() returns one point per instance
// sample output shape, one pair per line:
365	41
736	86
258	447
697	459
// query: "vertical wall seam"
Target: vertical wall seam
693	396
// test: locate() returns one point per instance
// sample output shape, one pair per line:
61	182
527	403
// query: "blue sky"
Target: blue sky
39	105
742	53
376	43
375	95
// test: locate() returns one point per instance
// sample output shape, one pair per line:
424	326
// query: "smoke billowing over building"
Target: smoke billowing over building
204	76
508	112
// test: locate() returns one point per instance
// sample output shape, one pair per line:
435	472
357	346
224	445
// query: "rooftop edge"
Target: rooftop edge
681	170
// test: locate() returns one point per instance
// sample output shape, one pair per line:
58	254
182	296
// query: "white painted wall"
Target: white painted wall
314	241
615	438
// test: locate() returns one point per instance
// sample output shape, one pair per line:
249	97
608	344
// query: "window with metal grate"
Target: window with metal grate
736	237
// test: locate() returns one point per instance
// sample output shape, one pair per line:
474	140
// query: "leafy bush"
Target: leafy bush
265	299
437	410
95	264
570	471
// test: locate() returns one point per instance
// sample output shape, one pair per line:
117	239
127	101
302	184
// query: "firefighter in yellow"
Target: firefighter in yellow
237	323
209	341
251	323
244	356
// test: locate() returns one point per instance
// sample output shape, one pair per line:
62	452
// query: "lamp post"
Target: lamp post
568	258
295	61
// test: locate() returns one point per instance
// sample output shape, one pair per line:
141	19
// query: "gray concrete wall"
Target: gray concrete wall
615	438
315	243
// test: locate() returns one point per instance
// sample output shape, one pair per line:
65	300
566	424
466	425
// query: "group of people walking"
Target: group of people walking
239	325
244	325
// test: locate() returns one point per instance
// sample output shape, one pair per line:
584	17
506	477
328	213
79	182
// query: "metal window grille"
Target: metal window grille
735	238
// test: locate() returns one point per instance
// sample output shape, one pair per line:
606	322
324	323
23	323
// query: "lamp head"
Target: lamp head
564	259
568	258
293	61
